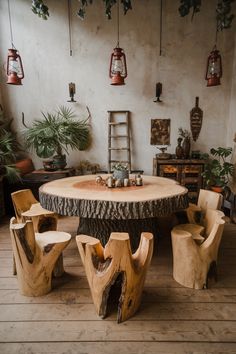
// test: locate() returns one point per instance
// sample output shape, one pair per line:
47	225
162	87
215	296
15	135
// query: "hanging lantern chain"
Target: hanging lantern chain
160	53
10	23
118	24
69	25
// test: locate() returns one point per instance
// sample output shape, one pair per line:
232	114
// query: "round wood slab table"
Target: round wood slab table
103	210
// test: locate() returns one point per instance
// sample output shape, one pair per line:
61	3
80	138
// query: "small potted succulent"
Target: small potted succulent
217	170
120	171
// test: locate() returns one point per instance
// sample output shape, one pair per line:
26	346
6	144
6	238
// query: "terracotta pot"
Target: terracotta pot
217	189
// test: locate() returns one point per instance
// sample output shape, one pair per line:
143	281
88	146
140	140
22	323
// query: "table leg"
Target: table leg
102	228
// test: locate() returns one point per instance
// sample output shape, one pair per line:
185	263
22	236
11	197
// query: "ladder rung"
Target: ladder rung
118	148
111	161
119	136
118	111
118	123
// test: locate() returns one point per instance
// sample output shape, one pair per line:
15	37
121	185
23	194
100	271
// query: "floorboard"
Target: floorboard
172	319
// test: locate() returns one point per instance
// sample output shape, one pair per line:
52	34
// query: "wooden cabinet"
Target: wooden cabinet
186	172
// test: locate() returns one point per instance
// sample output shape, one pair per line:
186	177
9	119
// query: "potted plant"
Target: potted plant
217	170
7	156
120	171
55	133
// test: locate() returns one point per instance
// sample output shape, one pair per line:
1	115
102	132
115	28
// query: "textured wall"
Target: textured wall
44	47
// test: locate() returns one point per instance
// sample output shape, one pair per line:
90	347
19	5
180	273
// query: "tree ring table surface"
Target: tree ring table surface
103	210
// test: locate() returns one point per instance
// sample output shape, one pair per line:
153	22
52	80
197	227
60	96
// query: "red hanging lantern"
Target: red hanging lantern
214	68
118	68
15	70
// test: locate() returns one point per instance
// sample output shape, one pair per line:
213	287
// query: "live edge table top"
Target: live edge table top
82	196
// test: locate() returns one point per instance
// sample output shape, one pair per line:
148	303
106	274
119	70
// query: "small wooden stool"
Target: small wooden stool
35	256
104	265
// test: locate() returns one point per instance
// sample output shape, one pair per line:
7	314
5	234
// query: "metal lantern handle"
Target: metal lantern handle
21	66
111	60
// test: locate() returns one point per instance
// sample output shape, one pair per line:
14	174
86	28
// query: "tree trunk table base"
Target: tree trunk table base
102	228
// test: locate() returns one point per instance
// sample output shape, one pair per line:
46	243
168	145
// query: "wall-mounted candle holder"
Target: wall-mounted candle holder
71	92
158	92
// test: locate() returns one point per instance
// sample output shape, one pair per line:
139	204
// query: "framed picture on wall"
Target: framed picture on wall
160	131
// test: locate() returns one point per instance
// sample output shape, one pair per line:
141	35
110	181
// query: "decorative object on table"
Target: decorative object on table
138	180
118	67
214	68
115	263
185	134
55	133
71	92
218	170
15	71
196	115
158	92
179	150
163	155
120	171
160	131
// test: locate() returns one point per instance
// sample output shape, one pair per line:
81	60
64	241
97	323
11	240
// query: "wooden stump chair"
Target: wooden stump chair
35	256
104	265
28	208
206	200
193	264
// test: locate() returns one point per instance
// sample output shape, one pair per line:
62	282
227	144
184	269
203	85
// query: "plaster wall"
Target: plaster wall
186	44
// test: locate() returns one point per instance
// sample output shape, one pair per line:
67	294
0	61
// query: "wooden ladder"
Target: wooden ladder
118	138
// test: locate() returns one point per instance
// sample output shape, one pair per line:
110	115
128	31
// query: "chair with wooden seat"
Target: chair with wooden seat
206	200
194	263
28	208
35	255
105	265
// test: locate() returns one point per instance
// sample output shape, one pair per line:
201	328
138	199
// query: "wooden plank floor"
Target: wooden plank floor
172	319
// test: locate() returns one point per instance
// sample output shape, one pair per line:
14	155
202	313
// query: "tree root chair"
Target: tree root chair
194	263
35	256
26	207
103	266
206	200
196	213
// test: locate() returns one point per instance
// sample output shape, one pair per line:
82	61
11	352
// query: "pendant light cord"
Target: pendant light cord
69	25
9	14
118	24
160	53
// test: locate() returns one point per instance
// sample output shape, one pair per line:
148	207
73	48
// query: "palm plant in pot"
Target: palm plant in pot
218	170
7	156
54	134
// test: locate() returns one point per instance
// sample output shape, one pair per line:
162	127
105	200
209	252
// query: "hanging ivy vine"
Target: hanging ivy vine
224	17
